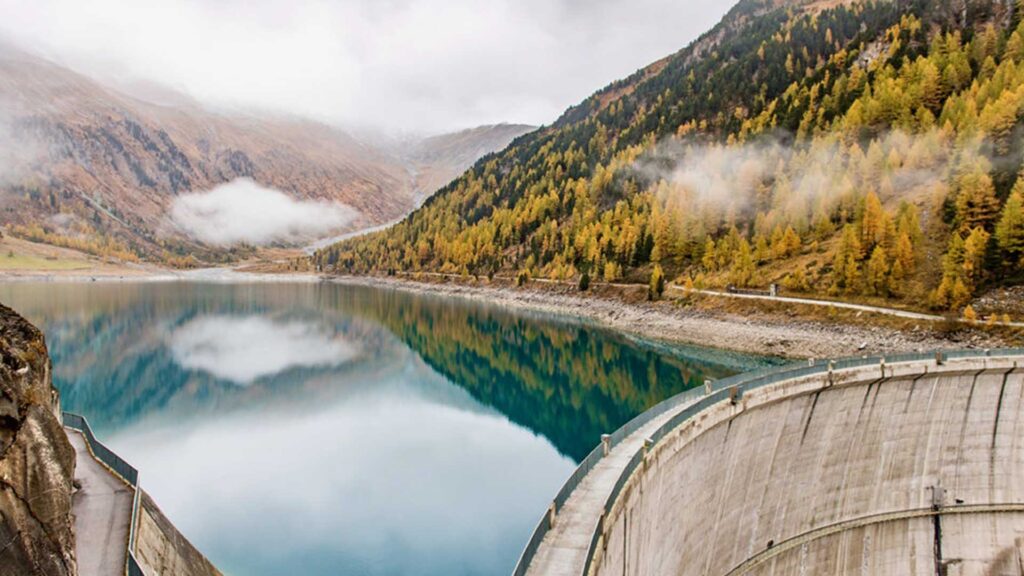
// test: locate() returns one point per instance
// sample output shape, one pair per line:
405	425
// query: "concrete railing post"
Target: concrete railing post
606	443
938	359
881	365
707	386
552	512
735	394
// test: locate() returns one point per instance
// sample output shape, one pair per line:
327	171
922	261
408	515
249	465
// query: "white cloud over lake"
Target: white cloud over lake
243	349
243	211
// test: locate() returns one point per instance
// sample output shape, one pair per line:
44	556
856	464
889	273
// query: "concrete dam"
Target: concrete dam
901	465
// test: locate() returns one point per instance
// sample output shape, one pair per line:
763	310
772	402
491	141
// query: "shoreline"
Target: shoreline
209	275
769	334
666	321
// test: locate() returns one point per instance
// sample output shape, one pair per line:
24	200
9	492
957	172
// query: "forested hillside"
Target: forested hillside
857	149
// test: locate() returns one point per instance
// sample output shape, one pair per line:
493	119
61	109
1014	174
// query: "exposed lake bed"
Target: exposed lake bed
780	333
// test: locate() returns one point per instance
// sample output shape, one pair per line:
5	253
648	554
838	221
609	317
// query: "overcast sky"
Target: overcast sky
401	65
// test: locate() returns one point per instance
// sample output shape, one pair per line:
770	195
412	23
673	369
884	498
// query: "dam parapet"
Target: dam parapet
903	464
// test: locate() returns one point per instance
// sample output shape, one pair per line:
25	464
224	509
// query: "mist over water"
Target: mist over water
319	429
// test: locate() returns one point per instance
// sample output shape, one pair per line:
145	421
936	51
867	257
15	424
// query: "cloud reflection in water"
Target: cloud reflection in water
242	349
394	478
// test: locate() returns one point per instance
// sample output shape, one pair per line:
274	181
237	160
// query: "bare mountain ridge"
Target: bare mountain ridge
81	160
439	159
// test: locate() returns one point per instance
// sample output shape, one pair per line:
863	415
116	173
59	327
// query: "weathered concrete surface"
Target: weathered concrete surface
807	478
36	461
564	550
103	514
161	549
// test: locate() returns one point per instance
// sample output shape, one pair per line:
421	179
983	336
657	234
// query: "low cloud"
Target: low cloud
719	182
243	349
19	149
421	65
243	211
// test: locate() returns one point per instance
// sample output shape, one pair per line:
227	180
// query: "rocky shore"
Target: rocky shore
667	320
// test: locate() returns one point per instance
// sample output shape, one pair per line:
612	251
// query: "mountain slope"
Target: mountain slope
439	159
857	148
108	164
91	167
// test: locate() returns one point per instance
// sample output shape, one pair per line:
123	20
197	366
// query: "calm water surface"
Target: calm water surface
321	429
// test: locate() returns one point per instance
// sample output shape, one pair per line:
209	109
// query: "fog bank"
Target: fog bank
243	211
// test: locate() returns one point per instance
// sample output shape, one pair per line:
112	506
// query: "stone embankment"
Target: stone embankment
666	320
161	549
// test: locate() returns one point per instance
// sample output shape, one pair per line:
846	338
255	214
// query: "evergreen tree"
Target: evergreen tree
904	253
878	273
873	222
1010	229
974	257
656	287
743	269
976	202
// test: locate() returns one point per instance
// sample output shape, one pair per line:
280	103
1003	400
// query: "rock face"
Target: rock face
161	549
37	462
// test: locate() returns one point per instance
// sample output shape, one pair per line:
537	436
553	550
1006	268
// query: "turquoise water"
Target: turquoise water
323	429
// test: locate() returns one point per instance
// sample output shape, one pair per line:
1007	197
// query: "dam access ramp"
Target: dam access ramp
103	513
106	506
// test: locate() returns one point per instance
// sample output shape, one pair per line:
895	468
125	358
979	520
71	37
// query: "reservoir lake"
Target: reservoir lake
318	428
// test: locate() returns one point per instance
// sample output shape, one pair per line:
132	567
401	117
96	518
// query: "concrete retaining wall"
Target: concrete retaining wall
161	549
804	477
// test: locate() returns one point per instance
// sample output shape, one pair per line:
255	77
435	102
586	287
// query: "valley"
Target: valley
130	176
377	288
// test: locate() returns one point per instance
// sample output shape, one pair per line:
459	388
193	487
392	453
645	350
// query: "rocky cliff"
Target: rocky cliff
37	462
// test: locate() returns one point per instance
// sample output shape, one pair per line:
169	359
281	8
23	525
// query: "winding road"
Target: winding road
676	290
827	303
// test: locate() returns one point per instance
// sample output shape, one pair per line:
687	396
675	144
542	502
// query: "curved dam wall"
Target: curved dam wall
914	468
